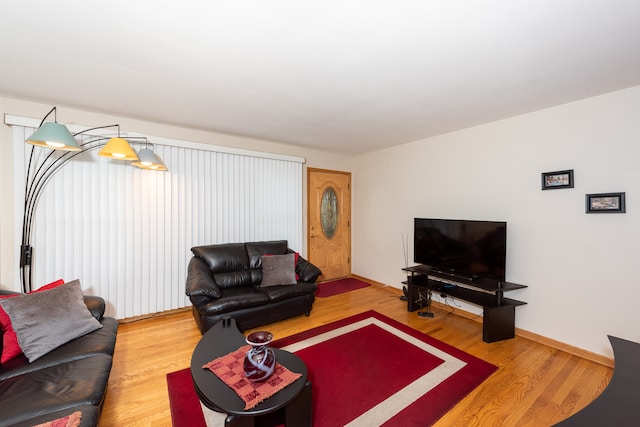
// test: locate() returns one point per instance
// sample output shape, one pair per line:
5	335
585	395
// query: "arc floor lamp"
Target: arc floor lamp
56	136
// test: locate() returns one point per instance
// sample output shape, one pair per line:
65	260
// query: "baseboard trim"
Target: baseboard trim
152	315
567	348
558	345
373	282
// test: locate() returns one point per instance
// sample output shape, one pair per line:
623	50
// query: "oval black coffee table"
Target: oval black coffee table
294	401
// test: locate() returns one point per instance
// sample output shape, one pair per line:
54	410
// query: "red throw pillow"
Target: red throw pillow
10	346
295	263
50	286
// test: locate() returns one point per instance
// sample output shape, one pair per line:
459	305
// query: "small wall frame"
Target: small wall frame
557	180
605	203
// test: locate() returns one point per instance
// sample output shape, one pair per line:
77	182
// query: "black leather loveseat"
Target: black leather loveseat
228	280
71	378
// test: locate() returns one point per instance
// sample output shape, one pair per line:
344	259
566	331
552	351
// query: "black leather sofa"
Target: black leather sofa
225	280
70	378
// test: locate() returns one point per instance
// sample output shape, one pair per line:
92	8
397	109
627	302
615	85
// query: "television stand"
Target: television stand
499	313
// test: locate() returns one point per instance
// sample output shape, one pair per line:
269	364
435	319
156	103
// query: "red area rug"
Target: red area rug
340	286
368	370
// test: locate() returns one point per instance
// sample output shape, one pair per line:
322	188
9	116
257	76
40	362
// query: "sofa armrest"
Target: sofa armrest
96	305
201	287
6	292
306	271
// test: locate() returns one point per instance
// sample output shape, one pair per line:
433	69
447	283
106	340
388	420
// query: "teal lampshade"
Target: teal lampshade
149	160
54	135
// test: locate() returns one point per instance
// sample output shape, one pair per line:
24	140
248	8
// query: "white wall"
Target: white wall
9	231
581	269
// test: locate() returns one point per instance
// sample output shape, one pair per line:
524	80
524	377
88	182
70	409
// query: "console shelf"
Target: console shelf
498	311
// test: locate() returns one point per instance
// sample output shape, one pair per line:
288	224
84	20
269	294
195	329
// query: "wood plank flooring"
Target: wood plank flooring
536	385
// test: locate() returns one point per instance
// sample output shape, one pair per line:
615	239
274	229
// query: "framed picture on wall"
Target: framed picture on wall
605	203
557	180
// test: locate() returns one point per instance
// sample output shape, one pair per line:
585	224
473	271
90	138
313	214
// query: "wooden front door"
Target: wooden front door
329	222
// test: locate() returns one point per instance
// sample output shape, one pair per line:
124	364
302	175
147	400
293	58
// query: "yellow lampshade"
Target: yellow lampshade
119	149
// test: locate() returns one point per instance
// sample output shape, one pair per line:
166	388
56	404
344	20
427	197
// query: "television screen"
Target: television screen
472	249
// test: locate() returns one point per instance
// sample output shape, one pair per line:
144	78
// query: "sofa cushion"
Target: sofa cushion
101	341
10	347
223	258
255	250
235	299
234	279
33	315
278	270
280	293
56	388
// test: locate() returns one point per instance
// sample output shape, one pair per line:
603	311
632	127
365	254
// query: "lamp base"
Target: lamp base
26	255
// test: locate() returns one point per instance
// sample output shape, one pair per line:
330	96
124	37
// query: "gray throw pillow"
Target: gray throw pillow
46	320
278	270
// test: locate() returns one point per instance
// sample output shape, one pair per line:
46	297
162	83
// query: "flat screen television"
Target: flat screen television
471	249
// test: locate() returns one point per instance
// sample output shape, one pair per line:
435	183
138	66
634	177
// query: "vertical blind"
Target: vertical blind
127	233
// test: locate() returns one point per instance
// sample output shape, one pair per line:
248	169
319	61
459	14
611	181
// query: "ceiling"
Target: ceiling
349	76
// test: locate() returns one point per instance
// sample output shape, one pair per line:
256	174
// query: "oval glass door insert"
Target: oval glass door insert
329	212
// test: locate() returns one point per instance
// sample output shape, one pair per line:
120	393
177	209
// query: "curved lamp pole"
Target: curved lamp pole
57	136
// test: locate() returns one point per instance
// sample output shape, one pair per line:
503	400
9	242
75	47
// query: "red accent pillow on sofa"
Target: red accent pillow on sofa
10	346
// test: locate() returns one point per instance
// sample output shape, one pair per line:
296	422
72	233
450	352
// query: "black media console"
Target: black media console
499	313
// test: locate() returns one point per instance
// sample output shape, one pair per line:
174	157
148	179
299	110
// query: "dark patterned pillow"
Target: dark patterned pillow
278	270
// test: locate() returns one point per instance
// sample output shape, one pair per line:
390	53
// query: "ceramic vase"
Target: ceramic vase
260	360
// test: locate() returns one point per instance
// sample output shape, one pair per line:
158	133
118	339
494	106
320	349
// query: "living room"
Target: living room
577	265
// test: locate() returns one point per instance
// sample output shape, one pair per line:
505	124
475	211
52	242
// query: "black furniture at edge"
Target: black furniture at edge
618	403
290	406
499	313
